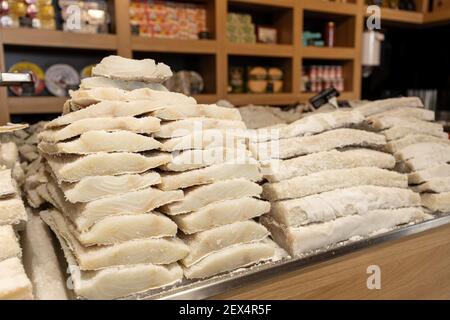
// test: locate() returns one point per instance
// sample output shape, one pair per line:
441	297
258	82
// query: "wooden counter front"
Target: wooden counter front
414	267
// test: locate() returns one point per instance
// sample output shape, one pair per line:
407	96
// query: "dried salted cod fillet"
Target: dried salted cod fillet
439	171
197	197
177	112
105	109
101	82
232	258
397	145
12	211
379	106
214	173
14	283
146	70
204	243
97	187
195	159
9	244
407	112
155	251
399	132
387	122
221	213
277	171
7	187
426	161
314	124
136	125
420	149
102	141
9	154
205	139
332	179
10	127
339	138
185	127
437	185
304	239
72	169
338	203
436	202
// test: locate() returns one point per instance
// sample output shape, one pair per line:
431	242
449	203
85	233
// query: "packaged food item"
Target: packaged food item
38	78
240	28
60	78
86	72
94	17
267	34
275	77
236	80
257	80
186	82
318	77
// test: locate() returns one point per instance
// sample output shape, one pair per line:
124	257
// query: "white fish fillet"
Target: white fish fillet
145	70
102	141
407	112
425	161
9	244
12	211
97	187
185	127
314	124
155	251
209	241
339	138
421	149
304	239
279	170
105	109
72	169
387	122
232	258
7	187
196	159
396	133
221	213
338	203
136	125
14	283
397	145
179	112
101	82
379	106
214	173
437	185
205	139
332	179
439	171
8	154
436	202
198	197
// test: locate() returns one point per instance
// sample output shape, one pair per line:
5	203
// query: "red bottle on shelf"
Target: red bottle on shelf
330	34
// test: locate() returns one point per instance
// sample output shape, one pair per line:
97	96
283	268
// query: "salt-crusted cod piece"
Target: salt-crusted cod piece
437	185
407	112
232	258
221	213
73	169
97	187
439	171
399	132
9	244
338	203
379	106
214	173
177	112
420	149
14	283
12	211
101	82
7	187
304	239
204	243
102	141
330	180
425	161
387	122
197	197
155	251
279	170
145	70
436	202
339	138
131	124
397	145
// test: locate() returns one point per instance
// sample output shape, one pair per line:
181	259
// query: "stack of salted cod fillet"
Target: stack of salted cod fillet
328	183
217	173
14	283
420	146
101	156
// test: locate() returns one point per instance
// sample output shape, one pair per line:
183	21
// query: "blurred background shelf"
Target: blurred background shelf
260	49
38	105
349	8
147	44
328	53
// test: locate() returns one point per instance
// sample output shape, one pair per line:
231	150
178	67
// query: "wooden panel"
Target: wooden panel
274	3
4	108
260	49
171	45
330	7
403	16
437	16
29	105
328	53
416	267
123	28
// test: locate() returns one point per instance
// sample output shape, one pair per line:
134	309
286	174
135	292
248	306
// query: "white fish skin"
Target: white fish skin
102	141
421	149
399	132
201	110
232	258
97	187
204	243
221	213
379	106
397	145
387	122
418	113
73	169
136	125
197	197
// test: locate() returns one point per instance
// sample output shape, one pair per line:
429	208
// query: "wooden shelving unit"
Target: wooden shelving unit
213	56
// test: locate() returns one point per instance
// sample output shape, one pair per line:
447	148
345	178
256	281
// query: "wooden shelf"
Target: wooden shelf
59	39
273	3
28	105
206	98
328	53
403	16
437	16
262	98
147	44
260	49
330	7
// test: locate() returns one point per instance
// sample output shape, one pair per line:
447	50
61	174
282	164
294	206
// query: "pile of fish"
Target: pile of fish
329	182
419	145
14	283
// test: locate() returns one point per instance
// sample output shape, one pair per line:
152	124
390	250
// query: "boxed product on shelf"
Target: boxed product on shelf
32	14
258	79
84	16
267	34
315	78
240	28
